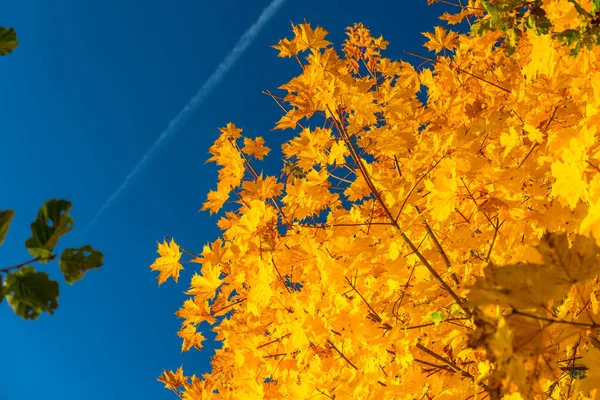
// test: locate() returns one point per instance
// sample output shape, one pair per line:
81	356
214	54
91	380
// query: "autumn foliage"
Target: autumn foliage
446	249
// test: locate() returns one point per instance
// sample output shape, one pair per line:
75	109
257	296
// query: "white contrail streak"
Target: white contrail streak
240	47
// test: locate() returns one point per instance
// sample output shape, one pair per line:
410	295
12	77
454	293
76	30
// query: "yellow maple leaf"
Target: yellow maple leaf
441	39
443	190
591	223
256	147
191	337
286	47
195	313
173	380
570	185
255	216
215	200
337	153
309	38
206	284
168	263
543	60
290	119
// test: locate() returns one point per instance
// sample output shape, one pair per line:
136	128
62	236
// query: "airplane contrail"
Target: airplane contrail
240	47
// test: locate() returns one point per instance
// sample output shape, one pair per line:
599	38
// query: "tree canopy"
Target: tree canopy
438	249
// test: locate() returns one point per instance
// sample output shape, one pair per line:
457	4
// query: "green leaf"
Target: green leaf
568	36
8	40
437	317
29	292
595	6
6	217
51	223
1	290
492	11
75	262
455	309
539	21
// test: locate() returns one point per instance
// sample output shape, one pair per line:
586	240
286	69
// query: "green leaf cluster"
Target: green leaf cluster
514	17
28	291
8	40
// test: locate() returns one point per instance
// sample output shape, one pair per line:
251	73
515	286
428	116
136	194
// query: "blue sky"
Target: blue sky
89	89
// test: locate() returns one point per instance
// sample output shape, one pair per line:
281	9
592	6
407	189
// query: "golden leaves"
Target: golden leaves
173	380
443	190
545	57
226	154
191	338
526	286
167	264
570	185
441	40
206	285
347	278
256	147
304	38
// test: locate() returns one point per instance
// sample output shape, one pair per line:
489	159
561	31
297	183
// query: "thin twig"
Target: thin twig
19	266
342	355
183	248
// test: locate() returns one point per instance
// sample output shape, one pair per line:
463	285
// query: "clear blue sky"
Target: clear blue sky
91	86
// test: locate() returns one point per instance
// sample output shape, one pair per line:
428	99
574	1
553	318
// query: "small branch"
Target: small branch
227	306
543	132
593	325
476	205
273	341
496	228
375	315
593	166
450	364
276	99
459	70
342	355
417	184
183	248
255	177
19	266
528	154
281	277
447	368
440	249
449	320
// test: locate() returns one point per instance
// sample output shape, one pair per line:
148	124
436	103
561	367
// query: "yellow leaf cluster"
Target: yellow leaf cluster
441	248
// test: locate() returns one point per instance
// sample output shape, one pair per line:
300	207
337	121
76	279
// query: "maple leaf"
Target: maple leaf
191	337
309	38
443	192
286	47
195	313
590	225
441	39
173	380
256	147
206	284
167	264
